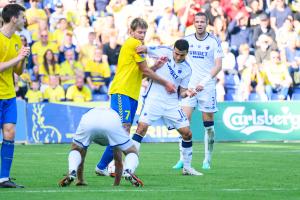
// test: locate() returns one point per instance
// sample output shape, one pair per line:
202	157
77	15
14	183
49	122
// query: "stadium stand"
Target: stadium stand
82	26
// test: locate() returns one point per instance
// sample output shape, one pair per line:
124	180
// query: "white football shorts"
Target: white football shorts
173	116
206	101
104	127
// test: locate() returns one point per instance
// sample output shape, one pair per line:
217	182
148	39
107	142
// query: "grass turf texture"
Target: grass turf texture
239	171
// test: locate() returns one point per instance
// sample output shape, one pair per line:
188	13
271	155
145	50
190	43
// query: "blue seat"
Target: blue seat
274	96
296	96
296	90
231	90
229	97
100	97
254	97
231	81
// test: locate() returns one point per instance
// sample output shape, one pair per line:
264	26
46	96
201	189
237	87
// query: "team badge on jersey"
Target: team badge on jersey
17	47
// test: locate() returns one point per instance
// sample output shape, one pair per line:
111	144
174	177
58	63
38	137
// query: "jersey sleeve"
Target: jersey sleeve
158	51
106	70
218	52
131	47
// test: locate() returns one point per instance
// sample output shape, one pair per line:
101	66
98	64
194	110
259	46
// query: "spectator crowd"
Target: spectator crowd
75	45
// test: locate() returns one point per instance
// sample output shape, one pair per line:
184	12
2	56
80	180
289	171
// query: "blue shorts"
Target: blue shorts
8	111
125	106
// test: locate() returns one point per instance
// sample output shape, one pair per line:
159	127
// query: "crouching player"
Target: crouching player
158	103
103	127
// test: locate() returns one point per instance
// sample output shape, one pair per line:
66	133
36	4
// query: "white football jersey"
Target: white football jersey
102	126
202	55
177	73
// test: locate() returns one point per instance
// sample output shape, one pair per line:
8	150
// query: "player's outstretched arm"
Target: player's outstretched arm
118	165
159	63
170	87
214	71
15	61
82	151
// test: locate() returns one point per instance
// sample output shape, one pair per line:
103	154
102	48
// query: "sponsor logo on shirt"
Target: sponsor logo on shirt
172	72
198	54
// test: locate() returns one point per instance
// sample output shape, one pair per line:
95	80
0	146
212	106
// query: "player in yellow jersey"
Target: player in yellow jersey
126	85
12	57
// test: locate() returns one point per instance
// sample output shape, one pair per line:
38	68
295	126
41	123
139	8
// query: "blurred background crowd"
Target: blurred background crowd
75	45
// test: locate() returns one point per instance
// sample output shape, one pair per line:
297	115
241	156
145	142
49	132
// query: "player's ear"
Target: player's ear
14	19
130	31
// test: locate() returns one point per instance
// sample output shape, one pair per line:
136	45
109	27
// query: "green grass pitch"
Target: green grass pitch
240	171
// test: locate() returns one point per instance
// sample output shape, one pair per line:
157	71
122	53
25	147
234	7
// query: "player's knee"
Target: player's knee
9	131
207	116
187	135
142	129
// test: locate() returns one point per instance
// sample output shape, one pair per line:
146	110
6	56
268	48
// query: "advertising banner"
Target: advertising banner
52	123
235	121
258	121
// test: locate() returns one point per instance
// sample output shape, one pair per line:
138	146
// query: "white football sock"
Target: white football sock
131	162
74	160
208	148
137	145
187	153
180	148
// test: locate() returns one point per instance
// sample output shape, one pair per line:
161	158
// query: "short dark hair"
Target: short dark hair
138	22
11	10
182	45
202	14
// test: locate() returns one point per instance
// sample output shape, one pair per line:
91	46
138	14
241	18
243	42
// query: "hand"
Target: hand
170	87
199	88
81	183
24	52
141	49
160	62
35	69
190	92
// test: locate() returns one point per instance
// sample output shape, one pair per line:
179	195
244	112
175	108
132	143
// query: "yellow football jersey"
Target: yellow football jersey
98	71
54	95
86	53
52	71
39	50
34	96
67	69
128	78
76	95
9	48
34	13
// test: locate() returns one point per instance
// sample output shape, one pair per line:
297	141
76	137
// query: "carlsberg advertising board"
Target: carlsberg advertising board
256	121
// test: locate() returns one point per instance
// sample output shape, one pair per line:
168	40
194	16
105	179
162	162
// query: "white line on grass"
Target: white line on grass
91	190
222	152
149	190
259	189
